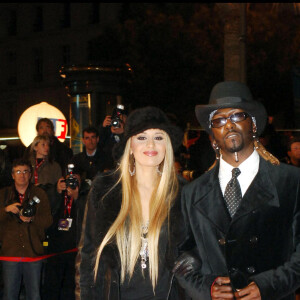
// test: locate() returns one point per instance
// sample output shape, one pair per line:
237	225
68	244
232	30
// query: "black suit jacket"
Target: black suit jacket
262	241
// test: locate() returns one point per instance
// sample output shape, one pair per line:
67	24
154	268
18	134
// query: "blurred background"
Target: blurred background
165	54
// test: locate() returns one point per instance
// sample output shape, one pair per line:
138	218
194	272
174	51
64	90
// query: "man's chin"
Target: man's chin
235	148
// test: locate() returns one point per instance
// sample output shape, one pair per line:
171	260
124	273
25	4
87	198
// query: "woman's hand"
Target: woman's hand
186	263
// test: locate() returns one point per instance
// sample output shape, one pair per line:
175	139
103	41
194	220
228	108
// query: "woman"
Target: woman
46	171
133	217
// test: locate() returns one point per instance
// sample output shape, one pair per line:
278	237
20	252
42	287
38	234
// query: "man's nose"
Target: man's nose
229	124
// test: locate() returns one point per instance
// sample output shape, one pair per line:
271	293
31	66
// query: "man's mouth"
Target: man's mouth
231	135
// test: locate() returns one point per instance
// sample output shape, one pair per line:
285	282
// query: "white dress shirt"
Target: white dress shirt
248	168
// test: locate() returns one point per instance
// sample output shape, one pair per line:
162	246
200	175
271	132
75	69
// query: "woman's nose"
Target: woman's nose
150	142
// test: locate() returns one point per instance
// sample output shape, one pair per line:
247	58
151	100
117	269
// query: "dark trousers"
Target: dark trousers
59	280
13	272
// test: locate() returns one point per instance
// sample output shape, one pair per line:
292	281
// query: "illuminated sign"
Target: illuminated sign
29	118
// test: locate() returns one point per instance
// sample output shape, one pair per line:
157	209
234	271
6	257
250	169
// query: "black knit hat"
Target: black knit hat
145	118
231	94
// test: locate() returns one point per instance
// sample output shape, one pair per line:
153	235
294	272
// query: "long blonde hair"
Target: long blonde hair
127	228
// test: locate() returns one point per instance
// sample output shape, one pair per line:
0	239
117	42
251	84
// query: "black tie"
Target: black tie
233	194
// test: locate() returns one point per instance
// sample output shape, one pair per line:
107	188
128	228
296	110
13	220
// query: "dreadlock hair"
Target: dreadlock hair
264	153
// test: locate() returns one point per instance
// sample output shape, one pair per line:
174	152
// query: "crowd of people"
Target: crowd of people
144	212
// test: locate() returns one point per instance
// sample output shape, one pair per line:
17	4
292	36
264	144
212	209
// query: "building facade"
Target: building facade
36	40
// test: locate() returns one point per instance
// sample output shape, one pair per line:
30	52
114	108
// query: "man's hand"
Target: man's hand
61	185
73	193
250	292
106	121
221	289
25	219
14	208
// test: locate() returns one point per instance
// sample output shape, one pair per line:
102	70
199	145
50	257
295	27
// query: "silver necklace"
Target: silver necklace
144	253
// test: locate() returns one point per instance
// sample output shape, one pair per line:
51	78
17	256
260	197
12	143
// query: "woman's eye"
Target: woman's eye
141	138
159	138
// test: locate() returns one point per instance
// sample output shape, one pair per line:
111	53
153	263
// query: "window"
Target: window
38	24
94	13
11	56
38	64
12	23
66	17
66	54
12	80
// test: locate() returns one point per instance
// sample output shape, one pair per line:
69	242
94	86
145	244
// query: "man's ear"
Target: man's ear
214	144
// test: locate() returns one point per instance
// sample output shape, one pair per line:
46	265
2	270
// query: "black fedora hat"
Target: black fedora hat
145	118
232	94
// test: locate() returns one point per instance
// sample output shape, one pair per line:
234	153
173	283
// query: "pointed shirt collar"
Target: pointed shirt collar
248	168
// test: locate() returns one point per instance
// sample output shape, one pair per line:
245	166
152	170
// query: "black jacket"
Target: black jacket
99	216
107	141
89	166
60	240
262	241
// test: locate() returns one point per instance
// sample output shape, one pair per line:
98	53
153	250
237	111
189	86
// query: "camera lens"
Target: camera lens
115	123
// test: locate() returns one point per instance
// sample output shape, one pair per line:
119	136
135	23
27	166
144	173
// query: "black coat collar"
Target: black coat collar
211	203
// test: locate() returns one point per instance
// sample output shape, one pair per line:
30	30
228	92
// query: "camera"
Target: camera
116	114
30	209
71	180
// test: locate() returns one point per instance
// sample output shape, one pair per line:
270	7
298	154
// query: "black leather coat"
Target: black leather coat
99	216
262	241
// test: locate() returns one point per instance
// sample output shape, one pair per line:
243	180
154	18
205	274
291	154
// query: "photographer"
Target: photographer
22	232
63	237
91	160
111	133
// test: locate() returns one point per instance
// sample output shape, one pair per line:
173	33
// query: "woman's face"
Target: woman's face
149	147
42	149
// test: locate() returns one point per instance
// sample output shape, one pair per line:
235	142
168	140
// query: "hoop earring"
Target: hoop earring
133	163
215	146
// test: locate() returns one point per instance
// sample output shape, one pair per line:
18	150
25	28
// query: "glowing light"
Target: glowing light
29	118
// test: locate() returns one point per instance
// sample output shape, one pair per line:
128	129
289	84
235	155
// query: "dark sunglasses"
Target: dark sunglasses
234	118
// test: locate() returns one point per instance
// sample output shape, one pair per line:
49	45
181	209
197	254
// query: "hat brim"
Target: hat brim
254	108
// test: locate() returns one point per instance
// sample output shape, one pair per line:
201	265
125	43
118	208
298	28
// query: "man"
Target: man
92	160
293	152
22	236
247	232
64	236
111	134
58	151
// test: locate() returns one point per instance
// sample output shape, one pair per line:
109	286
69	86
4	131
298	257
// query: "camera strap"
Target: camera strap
37	165
21	197
68	205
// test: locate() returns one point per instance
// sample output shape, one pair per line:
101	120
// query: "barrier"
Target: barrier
31	259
